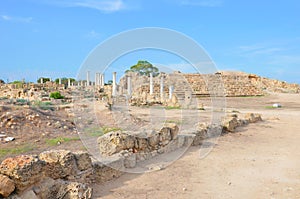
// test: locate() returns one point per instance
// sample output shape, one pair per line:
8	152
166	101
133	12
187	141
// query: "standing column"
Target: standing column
103	80
151	84
100	79
114	86
162	88
59	81
129	85
42	80
69	82
96	79
171	89
88	78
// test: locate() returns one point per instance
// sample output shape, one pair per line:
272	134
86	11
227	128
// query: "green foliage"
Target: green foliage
172	107
144	68
22	102
16	150
56	95
45	79
64	80
43	105
109	82
60	140
2	81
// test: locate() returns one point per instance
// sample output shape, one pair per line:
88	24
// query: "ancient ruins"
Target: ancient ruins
67	174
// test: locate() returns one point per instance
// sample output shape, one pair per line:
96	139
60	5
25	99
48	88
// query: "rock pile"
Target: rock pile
52	174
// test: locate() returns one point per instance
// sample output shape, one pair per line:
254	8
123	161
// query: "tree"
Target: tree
2	81
64	80
144	68
45	79
110	82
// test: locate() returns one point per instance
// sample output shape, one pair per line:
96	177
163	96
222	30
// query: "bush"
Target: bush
56	95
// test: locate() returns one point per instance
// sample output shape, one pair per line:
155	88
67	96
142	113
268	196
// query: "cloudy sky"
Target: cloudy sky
53	37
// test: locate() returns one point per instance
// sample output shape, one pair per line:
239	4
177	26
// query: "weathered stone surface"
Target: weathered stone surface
24	170
141	143
200	135
83	160
59	163
253	117
109	170
130	160
115	142
153	140
230	123
53	189
174	130
7	186
29	195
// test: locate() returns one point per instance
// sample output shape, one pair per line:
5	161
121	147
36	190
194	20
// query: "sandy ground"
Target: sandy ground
260	160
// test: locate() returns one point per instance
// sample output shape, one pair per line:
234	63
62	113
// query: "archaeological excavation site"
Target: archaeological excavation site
160	135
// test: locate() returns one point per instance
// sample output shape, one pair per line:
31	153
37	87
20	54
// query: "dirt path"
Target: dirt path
259	161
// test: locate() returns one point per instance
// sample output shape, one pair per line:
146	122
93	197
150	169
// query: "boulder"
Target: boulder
59	163
252	117
115	142
83	160
7	186
24	170
52	189
230	123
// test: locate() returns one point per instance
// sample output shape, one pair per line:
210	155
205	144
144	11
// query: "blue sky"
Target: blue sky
53	37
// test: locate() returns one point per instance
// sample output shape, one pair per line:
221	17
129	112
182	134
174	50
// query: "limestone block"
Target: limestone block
114	142
24	170
59	163
7	186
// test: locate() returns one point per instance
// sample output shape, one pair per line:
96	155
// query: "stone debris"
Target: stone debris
56	172
7	186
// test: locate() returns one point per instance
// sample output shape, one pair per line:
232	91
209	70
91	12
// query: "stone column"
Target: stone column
69	82
87	78
59	81
162	88
129	85
96	79
102	80
42	80
171	90
151	83
114	84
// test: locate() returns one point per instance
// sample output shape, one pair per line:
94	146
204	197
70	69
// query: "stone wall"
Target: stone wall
229	84
67	175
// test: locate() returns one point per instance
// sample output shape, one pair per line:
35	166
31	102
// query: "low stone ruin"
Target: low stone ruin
67	175
52	174
136	147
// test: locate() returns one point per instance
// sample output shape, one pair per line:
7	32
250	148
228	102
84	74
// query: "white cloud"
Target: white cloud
106	6
93	35
202	3
16	19
257	49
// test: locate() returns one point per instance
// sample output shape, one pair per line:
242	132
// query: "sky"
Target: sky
52	38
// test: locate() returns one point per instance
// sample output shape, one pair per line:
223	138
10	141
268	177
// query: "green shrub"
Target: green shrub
56	95
43	105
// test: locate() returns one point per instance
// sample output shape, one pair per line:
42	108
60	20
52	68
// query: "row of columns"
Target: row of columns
129	88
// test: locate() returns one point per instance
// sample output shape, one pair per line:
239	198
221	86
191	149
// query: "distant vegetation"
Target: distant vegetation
144	68
2	81
56	95
45	79
64	80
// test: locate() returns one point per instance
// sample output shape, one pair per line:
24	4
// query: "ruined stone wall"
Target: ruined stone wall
229	84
